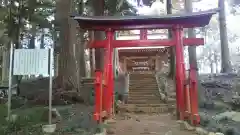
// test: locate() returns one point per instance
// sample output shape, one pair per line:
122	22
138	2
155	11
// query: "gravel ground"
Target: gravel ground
162	124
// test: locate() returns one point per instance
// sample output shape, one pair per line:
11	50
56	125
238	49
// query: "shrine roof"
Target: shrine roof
186	20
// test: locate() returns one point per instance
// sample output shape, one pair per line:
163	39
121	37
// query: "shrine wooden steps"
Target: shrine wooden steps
144	95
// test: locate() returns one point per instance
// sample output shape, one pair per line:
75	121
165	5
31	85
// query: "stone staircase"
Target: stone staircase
144	94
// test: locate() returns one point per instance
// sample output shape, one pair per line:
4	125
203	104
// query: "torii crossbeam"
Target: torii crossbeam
175	22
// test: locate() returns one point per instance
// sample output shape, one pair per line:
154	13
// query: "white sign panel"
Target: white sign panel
31	62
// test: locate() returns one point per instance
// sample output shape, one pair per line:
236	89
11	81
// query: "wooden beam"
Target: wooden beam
140	57
136	54
145	43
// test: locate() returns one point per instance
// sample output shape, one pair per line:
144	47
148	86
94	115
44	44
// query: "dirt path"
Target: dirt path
161	124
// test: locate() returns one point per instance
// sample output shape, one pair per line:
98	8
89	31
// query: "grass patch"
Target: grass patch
28	120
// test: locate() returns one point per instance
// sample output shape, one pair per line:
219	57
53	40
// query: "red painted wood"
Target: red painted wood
98	95
144	43
109	77
195	118
105	100
143	34
180	73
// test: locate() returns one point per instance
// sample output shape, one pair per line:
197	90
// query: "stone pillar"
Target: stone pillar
126	88
125	65
122	86
157	64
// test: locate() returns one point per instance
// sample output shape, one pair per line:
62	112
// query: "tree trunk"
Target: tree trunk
216	61
42	46
172	50
81	58
5	2
81	46
98	10
212	67
192	52
16	40
33	37
191	34
92	56
67	69
226	65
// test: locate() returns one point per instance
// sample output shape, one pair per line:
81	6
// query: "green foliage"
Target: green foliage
15	18
28	120
3	114
115	7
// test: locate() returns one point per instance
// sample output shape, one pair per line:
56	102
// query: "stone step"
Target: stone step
143	90
139	95
171	108
144	96
142	82
151	82
142	75
147	75
142	79
146	88
147	109
147	81
145	102
154	97
147	92
146	105
134	97
143	85
172	94
171	100
85	80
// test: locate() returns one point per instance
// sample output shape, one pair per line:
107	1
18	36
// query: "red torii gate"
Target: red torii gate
110	24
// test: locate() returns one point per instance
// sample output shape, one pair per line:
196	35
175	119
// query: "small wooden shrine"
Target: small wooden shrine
148	59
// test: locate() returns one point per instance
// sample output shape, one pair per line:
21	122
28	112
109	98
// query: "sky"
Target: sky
154	10
232	21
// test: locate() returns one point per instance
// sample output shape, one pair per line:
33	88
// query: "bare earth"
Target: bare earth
141	124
